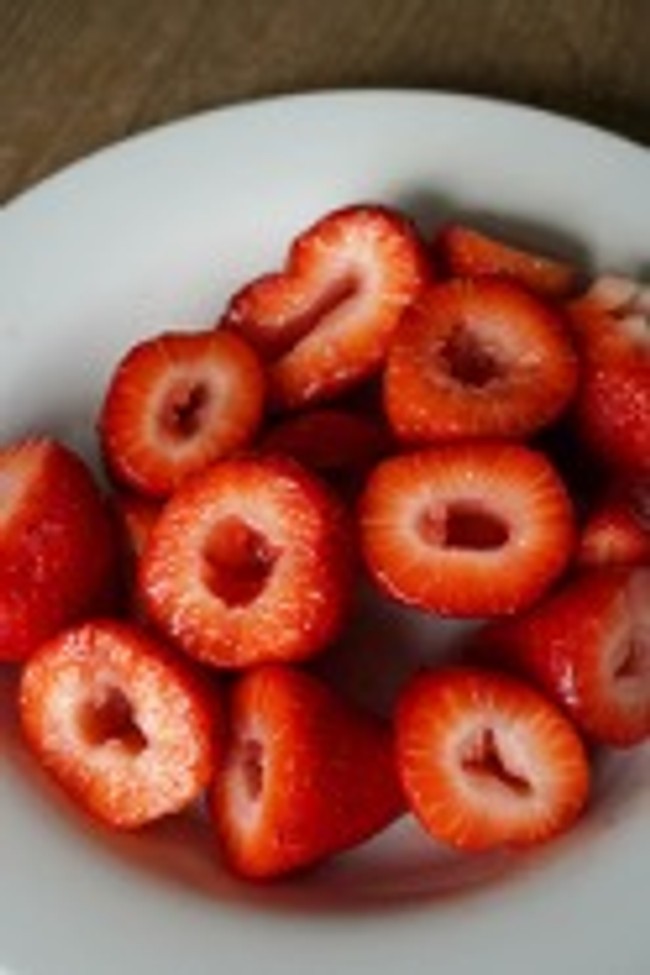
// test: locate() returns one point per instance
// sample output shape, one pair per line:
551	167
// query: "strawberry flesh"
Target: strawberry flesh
486	761
125	728
325	321
306	775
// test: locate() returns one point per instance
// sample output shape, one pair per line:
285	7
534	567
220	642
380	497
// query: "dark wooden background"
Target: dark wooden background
78	74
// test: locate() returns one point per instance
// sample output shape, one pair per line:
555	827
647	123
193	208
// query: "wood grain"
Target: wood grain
78	74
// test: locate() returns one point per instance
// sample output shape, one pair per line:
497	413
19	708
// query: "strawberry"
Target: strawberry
57	551
468	530
135	516
612	327
478	359
249	562
486	761
325	321
337	443
588	647
468	253
617	528
175	404
306	775
123	726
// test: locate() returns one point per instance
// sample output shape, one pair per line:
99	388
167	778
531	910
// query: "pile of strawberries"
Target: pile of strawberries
466	424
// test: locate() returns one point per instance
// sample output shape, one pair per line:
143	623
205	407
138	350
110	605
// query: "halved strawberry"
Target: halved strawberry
486	761
478	359
468	253
617	528
325	321
306	775
124	727
588	647
612	328
339	444
467	530
175	404
249	562
57	549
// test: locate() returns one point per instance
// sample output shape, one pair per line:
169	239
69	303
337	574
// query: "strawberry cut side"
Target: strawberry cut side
467	530
486	761
617	528
305	775
324	323
125	728
176	403
249	562
588	647
478	359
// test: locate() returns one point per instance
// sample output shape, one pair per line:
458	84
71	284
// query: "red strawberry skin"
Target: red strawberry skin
338	444
305	775
612	409
124	727
250	562
467	252
617	528
477	359
588	647
325	321
470	530
486	761
57	547
176	403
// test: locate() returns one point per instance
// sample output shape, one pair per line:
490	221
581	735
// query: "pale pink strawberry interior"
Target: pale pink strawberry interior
315	302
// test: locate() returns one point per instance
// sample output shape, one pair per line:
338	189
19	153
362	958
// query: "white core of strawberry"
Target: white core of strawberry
628	301
627	659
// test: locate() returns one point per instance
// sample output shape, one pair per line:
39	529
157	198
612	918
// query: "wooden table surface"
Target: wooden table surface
78	74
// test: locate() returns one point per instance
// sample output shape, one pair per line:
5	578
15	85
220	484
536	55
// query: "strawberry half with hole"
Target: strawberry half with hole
486	761
249	562
122	725
57	549
339	444
466	252
612	328
587	647
325	321
176	403
469	530
306	775
617	528
478	359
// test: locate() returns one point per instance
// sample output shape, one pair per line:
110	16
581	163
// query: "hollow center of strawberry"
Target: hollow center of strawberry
468	360
184	409
484	758
634	658
110	718
252	768
238	561
468	525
